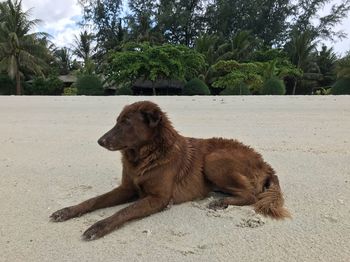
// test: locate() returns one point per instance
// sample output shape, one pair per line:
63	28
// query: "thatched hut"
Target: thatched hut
158	87
68	80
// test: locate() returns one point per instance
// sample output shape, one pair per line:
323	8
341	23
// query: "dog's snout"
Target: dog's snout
102	141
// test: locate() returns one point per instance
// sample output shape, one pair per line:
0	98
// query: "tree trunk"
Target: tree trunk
18	83
295	86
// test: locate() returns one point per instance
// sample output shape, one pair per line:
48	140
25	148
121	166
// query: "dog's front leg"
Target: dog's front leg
139	209
120	195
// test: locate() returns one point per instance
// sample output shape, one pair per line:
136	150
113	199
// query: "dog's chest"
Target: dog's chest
138	179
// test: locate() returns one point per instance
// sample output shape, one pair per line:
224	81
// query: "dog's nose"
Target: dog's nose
102	141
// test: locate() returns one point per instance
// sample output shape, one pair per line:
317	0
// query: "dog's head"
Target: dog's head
137	125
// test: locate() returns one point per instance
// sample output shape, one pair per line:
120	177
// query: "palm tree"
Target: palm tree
19	49
302	50
207	45
63	59
239	47
82	46
303	46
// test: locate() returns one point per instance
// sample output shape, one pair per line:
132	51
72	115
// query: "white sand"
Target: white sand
49	159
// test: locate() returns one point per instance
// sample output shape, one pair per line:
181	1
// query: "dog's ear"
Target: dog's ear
152	118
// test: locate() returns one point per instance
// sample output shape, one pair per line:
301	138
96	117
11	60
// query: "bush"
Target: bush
341	87
89	85
273	86
45	86
7	85
239	89
124	90
323	91
70	91
196	87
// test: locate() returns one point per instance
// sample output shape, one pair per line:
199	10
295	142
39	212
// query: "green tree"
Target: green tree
231	73
105	18
326	60
63	59
180	21
82	46
208	46
306	18
19	48
302	49
239	47
265	19
46	86
343	67
153	63
273	86
141	21
89	85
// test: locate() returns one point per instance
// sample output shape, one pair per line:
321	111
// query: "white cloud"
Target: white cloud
65	37
59	18
53	11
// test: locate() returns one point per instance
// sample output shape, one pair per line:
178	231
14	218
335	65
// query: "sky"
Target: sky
60	21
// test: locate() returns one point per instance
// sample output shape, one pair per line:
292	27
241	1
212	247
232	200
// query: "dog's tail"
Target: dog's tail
270	201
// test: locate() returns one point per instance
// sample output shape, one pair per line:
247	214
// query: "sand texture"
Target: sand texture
49	159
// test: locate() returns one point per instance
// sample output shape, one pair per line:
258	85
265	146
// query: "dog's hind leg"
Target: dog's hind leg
223	175
239	198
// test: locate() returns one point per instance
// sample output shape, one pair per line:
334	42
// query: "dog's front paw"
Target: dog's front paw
218	204
63	214
97	230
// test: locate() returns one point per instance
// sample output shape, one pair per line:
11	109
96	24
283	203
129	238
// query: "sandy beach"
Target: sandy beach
49	159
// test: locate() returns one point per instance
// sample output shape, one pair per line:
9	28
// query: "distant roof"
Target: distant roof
63	78
68	78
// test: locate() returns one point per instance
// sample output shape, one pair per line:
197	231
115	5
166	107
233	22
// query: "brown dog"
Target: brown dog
160	167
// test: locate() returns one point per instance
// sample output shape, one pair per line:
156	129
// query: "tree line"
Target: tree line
229	47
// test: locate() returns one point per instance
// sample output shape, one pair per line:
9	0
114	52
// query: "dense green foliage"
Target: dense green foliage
124	90
7	85
231	73
19	48
89	85
196	87
343	67
223	42
70	91
236	90
273	86
341	87
154	63
45	86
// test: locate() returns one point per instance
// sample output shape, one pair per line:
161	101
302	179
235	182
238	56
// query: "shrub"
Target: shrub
124	90
323	91
7	86
273	86
70	91
46	86
89	85
239	89
341	87
54	85
196	87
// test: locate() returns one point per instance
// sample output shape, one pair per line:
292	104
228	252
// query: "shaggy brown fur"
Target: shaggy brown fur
160	167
